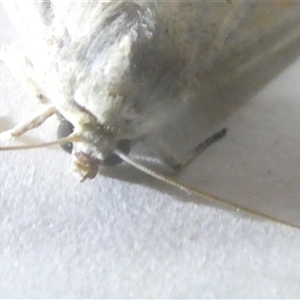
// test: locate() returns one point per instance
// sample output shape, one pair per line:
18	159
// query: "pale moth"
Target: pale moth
113	71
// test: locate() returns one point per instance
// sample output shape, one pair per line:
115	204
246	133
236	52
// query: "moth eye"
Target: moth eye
65	128
113	159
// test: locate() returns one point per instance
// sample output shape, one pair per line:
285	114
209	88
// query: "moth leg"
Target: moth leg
177	164
22	128
23	70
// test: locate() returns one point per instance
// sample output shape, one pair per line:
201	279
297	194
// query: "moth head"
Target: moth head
94	151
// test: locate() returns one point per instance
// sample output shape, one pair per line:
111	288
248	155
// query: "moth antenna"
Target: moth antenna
200	193
34	122
69	139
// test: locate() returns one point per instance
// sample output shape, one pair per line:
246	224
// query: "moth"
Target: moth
116	72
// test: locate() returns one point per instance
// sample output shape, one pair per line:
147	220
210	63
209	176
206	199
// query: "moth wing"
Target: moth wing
244	50
233	49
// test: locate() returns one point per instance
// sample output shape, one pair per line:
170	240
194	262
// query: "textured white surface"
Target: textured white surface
109	238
